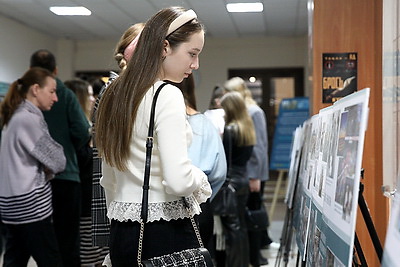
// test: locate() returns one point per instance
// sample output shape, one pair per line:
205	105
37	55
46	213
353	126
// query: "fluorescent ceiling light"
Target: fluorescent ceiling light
70	10
245	7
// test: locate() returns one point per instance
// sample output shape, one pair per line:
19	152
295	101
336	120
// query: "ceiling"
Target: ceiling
110	18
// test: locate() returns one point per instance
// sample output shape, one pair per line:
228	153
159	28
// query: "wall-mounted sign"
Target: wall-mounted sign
339	75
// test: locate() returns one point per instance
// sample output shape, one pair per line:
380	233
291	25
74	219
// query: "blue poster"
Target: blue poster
292	113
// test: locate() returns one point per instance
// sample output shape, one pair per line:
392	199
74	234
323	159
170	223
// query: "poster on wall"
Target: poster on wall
339	75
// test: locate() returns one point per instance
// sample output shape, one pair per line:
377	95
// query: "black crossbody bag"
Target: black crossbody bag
189	257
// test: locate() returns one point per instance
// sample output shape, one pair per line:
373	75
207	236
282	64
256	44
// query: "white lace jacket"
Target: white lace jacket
172	174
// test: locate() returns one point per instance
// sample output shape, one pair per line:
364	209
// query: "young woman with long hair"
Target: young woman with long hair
238	139
168	49
257	166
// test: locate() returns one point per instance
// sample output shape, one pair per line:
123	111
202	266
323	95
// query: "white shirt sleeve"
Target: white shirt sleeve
180	177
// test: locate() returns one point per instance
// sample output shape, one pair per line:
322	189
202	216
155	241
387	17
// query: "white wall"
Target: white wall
217	57
18	42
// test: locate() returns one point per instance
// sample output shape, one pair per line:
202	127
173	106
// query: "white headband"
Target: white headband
180	20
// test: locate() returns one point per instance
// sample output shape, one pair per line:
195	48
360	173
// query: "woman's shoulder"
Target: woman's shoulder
202	123
169	93
254	109
167	87
26	118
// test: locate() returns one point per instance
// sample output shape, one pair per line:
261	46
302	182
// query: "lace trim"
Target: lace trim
204	192
124	211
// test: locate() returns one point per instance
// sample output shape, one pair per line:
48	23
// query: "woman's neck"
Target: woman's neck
191	111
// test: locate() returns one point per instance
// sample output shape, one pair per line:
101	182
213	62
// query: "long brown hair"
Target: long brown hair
236	114
81	90
18	91
119	105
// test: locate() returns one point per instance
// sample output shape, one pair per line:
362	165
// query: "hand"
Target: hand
49	174
255	185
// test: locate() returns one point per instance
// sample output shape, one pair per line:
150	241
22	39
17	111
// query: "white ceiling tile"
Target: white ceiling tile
110	18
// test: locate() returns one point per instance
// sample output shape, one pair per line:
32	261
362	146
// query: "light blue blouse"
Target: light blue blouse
207	151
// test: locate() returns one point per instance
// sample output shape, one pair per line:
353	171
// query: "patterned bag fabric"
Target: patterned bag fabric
196	257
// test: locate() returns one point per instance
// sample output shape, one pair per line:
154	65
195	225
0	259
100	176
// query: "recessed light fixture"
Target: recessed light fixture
245	7
70	10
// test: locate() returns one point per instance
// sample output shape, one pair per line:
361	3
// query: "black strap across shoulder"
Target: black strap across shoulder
149	147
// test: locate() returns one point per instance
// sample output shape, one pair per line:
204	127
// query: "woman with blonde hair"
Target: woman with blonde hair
168	50
238	139
257	166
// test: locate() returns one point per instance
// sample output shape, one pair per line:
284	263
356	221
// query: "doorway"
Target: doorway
269	86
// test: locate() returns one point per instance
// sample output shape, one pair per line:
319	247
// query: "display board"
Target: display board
328	181
292	113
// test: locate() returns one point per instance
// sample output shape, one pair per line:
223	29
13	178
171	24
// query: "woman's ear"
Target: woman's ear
34	89
167	49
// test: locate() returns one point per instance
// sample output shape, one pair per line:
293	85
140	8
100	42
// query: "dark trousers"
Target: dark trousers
32	239
160	238
256	239
66	215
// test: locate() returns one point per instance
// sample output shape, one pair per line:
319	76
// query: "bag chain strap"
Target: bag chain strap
196	230
140	246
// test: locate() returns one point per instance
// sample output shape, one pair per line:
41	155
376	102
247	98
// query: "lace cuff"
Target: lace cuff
204	191
124	211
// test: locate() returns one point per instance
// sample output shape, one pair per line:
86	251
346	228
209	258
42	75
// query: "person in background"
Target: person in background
89	255
207	153
29	158
97	84
168	49
257	166
84	93
238	139
100	222
69	127
215	113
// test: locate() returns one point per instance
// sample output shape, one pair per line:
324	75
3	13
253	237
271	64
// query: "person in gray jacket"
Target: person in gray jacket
69	127
29	158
